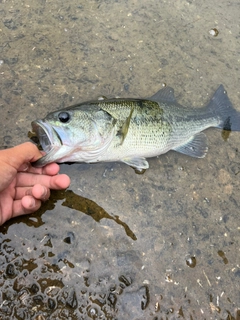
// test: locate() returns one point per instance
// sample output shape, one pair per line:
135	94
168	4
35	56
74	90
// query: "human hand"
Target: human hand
22	187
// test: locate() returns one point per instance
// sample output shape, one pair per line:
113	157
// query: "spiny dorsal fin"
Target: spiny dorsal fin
102	98
164	95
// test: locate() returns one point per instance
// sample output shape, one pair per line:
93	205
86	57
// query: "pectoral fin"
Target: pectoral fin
196	147
124	129
138	163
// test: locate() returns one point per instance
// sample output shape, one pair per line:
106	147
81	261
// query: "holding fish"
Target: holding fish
131	130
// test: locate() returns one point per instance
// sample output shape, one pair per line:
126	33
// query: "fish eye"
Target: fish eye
64	117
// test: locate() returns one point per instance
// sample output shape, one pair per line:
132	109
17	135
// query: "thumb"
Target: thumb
23	153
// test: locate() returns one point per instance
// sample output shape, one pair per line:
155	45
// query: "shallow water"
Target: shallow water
117	245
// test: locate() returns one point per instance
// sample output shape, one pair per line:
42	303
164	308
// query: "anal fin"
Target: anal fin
195	147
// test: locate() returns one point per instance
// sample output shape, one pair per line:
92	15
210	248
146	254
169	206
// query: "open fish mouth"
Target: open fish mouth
49	140
46	135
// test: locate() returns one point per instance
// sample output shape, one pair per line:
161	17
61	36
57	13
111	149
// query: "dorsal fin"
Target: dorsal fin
102	98
164	95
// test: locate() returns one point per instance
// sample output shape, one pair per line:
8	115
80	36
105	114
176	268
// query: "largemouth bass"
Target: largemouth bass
131	130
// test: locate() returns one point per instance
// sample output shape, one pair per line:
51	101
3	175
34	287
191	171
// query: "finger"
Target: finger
50	169
25	206
20	192
24	167
6	207
61	181
26	152
38	191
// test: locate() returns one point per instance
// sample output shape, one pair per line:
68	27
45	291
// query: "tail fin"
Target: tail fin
222	106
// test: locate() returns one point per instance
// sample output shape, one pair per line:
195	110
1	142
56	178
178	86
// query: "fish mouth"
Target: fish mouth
48	139
45	134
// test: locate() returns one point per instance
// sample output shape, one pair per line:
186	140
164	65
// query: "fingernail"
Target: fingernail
26	167
28	192
32	203
44	192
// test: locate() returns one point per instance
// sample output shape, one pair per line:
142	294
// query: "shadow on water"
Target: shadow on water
72	201
91	208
